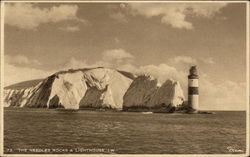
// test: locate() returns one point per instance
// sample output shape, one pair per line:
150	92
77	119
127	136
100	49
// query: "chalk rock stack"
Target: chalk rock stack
146	92
95	88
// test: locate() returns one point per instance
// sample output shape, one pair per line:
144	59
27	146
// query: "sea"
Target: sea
51	131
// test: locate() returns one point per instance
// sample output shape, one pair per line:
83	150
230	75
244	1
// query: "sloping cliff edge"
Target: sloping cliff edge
98	88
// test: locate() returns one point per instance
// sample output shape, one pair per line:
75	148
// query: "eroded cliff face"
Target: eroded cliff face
67	90
169	93
35	96
146	92
140	92
106	88
95	88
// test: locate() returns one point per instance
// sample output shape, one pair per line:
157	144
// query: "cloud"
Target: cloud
175	15
208	60
187	60
21	60
224	95
14	73
207	10
70	28
221	95
117	40
120	17
116	55
184	59
29	16
163	72
113	58
74	63
20	68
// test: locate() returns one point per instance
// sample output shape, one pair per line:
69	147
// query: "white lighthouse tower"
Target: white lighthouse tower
193	89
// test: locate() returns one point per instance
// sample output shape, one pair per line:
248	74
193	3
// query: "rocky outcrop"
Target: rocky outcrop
145	92
140	92
36	96
67	89
95	88
169	93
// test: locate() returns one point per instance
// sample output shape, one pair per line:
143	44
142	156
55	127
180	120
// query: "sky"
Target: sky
160	39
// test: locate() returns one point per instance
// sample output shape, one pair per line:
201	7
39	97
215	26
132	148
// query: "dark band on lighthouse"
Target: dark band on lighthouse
193	90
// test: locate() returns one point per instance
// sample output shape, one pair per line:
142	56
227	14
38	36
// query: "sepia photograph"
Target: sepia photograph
124	78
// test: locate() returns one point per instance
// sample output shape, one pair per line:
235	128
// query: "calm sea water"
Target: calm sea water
53	131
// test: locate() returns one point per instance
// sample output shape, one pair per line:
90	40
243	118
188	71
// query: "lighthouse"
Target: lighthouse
193	88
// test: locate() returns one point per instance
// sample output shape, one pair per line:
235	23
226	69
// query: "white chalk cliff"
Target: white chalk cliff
95	88
145	92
